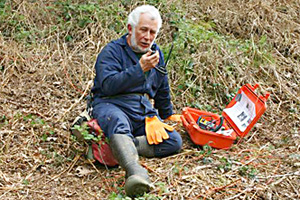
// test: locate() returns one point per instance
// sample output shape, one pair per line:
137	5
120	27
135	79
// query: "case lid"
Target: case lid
245	109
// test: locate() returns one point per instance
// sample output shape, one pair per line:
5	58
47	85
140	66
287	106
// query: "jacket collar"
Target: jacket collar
123	42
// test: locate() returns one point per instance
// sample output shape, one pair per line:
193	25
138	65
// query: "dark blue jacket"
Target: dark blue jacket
119	77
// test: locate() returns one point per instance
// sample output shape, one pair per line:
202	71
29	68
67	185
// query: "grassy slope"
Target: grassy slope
47	53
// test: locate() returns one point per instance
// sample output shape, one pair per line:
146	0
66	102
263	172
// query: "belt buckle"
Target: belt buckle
149	99
147	96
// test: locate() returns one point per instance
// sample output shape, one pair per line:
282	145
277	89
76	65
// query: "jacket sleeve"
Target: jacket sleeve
113	75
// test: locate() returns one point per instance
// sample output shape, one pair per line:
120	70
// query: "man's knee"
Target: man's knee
170	146
112	120
176	142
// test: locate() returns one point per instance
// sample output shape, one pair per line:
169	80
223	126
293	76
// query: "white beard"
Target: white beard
134	45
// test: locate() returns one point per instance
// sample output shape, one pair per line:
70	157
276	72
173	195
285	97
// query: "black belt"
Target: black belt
121	95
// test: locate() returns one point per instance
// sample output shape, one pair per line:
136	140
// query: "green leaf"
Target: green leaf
44	137
25	182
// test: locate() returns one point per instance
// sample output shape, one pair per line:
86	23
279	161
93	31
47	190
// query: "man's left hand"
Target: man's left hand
174	118
156	130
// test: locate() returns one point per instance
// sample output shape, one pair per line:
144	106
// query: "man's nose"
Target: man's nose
147	36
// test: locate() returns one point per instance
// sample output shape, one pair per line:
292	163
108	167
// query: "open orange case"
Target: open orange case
240	115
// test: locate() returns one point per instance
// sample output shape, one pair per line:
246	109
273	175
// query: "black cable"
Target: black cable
163	68
205	127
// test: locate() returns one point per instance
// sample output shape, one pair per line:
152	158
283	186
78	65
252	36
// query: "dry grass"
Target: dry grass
43	85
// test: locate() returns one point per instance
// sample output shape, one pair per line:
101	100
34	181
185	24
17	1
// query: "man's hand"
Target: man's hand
155	130
174	118
149	61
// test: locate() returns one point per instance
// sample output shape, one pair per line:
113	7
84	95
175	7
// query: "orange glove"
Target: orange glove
174	117
155	130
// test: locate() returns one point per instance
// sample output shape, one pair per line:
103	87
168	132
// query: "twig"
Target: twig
281	175
220	188
295	190
74	104
66	170
239	194
89	160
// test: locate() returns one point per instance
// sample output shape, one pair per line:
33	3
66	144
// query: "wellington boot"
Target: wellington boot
143	147
137	179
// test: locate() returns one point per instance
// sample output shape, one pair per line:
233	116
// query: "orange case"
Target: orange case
201	137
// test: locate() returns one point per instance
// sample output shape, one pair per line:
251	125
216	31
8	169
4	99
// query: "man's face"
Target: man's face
143	35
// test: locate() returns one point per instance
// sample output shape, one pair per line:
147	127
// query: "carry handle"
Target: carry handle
186	121
265	98
253	87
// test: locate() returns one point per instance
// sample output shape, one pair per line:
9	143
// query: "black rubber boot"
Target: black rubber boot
137	179
143	147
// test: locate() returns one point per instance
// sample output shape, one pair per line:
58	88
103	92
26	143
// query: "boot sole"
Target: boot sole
136	186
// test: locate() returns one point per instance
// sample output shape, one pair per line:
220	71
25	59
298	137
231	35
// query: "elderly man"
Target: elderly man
126	79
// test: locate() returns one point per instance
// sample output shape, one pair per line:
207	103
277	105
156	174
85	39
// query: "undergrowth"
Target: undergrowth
47	55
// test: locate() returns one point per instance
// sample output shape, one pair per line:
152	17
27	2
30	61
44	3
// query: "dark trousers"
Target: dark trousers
114	120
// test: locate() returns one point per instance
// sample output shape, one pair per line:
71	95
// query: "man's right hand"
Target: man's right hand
149	61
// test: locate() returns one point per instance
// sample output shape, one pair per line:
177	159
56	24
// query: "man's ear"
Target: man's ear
129	28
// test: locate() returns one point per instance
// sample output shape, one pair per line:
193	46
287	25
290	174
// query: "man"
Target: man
126	80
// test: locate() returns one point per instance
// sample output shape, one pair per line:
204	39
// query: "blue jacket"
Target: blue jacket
119	77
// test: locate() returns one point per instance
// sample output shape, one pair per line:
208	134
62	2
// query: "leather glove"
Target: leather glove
174	117
155	130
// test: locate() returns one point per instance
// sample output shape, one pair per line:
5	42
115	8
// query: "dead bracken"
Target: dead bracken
47	54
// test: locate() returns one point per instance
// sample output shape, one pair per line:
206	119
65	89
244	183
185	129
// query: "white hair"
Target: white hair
134	16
